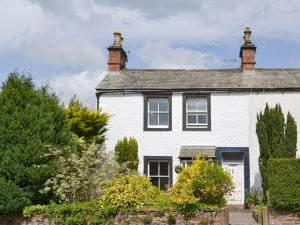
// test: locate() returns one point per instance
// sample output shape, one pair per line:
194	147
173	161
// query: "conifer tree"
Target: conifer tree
276	139
86	123
31	120
290	136
126	152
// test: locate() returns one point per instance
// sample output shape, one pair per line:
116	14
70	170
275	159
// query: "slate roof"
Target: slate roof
205	80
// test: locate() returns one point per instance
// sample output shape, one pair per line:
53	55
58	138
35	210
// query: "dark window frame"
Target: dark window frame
196	95
163	158
159	95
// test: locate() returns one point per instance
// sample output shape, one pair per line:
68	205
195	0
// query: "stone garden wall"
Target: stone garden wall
157	217
36	220
160	218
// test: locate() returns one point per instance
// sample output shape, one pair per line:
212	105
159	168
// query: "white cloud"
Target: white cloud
161	55
82	84
190	20
33	32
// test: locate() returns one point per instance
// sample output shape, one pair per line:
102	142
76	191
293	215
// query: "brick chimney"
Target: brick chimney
247	53
117	56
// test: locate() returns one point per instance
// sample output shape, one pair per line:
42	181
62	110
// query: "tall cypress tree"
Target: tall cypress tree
276	132
262	131
290	136
276	139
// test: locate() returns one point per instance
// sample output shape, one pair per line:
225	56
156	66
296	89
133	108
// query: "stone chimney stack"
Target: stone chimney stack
117	56
247	53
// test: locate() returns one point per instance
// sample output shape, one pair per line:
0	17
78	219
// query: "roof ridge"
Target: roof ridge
220	69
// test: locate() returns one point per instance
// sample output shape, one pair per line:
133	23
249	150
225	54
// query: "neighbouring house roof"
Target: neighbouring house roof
202	80
200	151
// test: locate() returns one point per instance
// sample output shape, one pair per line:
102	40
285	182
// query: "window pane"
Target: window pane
163	118
192	119
191	104
201	104
153	118
164	183
154	181
164	168
202	118
153	105
163	105
153	168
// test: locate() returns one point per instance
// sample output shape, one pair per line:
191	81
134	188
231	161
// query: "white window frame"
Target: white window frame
159	176
158	112
185	162
196	112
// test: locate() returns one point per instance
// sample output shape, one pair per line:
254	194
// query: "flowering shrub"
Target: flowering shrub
201	183
130	193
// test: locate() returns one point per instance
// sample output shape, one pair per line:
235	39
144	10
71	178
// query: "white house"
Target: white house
176	114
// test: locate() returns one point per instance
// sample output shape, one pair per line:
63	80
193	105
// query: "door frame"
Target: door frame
245	151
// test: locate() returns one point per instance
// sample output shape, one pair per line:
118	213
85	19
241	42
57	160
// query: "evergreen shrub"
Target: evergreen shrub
126	152
284	184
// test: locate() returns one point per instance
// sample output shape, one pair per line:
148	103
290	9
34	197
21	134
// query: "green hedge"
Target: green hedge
81	213
284	184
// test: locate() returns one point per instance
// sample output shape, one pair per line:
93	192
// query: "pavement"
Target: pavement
241	217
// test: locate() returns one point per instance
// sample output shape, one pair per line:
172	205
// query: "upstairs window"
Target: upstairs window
196	112
157	113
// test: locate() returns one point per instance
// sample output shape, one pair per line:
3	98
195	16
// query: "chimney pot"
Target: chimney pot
118	39
117	56
247	53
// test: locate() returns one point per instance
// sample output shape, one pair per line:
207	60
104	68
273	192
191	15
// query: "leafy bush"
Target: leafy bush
258	209
130	193
83	213
284	184
147	219
171	219
12	198
205	221
201	184
253	198
126	152
81	174
163	203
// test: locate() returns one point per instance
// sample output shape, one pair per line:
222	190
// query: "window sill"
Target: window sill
196	129
157	129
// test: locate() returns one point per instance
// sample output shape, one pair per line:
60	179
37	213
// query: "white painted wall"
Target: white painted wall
233	119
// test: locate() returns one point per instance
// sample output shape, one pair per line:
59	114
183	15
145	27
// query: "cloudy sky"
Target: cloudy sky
63	42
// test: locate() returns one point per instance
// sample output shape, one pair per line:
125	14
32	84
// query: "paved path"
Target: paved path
241	218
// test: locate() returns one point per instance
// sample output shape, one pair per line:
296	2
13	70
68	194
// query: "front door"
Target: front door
235	166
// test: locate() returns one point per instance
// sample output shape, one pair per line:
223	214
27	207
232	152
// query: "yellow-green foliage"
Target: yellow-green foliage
130	193
202	182
81	213
85	123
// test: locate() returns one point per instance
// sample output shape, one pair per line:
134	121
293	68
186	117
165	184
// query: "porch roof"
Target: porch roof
194	151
